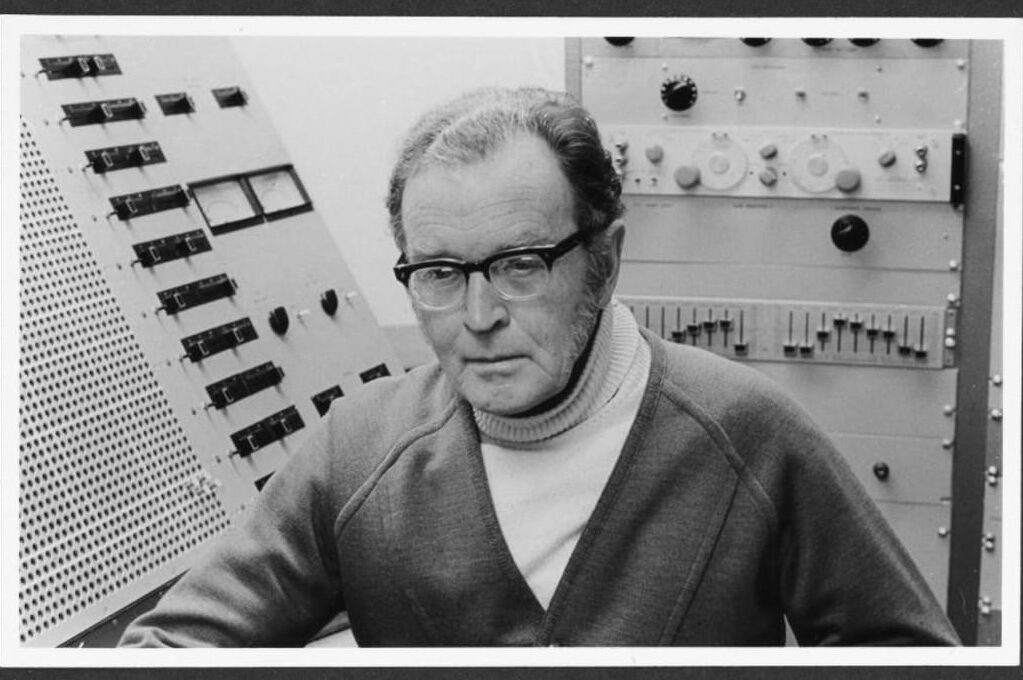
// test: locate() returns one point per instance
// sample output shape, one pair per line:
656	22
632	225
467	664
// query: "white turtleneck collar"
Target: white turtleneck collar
614	346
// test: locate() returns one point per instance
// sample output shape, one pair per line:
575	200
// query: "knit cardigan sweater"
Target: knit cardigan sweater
727	512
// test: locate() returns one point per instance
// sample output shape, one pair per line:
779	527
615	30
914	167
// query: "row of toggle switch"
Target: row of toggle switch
100	112
285	422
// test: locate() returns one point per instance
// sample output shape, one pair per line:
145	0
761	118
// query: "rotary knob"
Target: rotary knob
678	93
687	176
847	180
850	233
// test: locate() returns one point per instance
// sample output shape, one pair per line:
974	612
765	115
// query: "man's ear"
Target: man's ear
616	233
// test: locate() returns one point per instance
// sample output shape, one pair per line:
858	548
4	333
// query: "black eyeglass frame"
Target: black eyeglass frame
549	254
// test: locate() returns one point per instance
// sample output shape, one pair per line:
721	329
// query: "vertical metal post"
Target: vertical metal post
974	340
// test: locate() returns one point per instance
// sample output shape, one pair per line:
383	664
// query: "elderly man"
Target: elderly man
559	477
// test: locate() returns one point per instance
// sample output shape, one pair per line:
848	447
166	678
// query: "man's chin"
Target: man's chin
507	404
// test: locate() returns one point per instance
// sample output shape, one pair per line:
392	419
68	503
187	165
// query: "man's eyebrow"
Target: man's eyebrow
523	240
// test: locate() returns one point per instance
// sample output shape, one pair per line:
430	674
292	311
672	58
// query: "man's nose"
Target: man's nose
484	308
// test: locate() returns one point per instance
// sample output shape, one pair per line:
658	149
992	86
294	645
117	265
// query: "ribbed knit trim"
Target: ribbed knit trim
614	348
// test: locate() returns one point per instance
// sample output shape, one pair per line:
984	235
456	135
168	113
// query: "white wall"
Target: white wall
341	106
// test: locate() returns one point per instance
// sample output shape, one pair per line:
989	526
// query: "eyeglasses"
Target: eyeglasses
516	274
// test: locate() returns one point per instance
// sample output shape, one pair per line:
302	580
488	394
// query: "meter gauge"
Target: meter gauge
226	204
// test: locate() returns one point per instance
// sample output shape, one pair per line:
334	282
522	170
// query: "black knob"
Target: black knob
881	470
619	42
927	42
816	42
863	42
678	93
849	233
328	300
755	42
279	320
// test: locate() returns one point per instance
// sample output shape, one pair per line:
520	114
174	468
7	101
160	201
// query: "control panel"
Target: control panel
186	317
807	207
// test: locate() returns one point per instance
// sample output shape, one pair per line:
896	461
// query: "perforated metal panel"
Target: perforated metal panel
111	490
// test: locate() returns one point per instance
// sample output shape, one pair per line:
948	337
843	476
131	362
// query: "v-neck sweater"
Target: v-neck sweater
546	472
727	512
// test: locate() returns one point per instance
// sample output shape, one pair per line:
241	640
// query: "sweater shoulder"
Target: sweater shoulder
767	437
389	409
367	430
734	395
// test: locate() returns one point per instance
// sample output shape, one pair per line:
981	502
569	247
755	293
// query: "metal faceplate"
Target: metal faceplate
790	190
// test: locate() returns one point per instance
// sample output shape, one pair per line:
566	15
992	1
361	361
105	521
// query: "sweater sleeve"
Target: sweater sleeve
272	580
845	577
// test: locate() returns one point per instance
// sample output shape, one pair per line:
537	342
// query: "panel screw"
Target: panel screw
947	443
953	265
996	380
588	62
996	414
943	532
948	409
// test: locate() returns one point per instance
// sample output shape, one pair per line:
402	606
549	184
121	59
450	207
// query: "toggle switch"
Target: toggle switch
328	300
881	471
279	320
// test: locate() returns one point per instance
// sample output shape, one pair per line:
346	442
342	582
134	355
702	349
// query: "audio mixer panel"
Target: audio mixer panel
806	207
182	295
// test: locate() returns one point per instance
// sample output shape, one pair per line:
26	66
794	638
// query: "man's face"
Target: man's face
505	357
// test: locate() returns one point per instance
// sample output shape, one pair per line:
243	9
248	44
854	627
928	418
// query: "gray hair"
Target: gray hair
479	122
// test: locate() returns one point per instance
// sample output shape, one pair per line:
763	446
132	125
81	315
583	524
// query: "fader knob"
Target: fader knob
619	42
755	42
864	42
687	176
850	233
816	42
927	42
678	93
